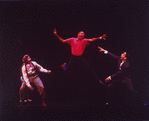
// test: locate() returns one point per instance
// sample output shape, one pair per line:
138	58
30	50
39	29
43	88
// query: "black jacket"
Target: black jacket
124	71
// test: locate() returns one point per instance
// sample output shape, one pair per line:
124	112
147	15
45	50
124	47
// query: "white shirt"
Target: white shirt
31	70
121	64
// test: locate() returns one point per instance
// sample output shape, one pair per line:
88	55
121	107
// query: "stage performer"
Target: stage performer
78	46
122	76
29	72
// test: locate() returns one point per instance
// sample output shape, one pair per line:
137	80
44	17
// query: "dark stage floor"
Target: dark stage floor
66	111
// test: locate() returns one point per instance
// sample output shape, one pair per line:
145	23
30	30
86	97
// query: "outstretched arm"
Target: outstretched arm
123	72
101	37
55	33
108	53
40	68
102	50
117	75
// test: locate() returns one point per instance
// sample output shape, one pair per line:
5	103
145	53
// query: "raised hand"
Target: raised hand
101	49
104	36
49	71
107	79
55	32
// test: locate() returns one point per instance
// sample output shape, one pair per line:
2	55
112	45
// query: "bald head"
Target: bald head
81	35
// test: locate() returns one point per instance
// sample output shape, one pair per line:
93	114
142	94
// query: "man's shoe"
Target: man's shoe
64	66
29	100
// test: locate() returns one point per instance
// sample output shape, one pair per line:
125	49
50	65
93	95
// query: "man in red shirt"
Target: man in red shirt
78	46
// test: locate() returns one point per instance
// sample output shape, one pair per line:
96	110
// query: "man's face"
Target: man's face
123	56
81	35
28	59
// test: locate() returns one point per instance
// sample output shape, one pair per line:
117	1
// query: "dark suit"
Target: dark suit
123	74
119	81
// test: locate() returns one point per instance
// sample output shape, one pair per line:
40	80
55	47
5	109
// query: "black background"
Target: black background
27	28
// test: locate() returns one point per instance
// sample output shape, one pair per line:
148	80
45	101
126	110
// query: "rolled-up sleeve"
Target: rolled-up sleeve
40	68
69	40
